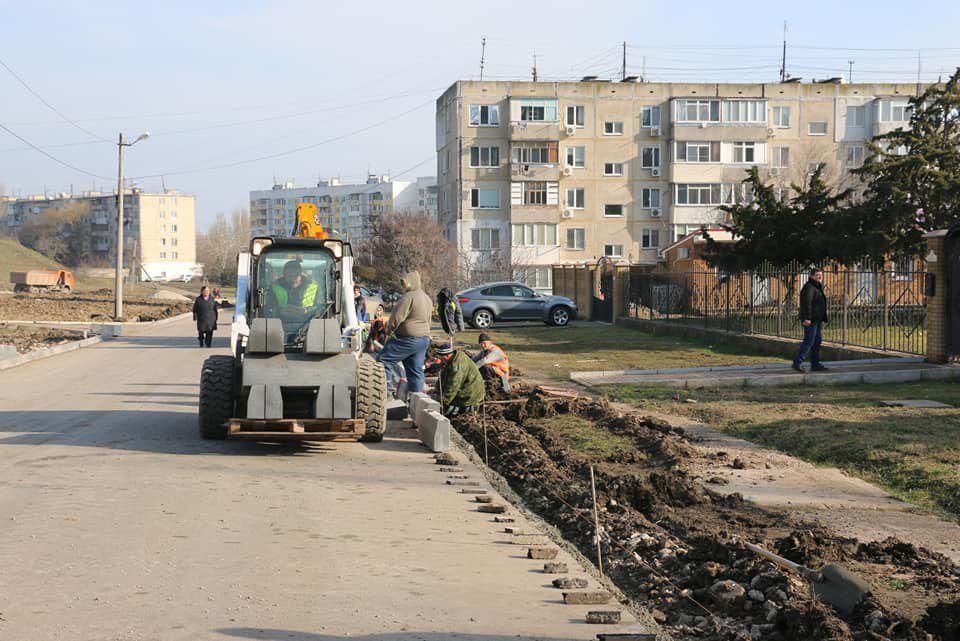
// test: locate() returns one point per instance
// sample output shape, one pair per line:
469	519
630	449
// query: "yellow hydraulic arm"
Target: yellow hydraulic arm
308	224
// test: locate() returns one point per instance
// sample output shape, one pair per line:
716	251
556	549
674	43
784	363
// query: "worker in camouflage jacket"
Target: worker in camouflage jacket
461	384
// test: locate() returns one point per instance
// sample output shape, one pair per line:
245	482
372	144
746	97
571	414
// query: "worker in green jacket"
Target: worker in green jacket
294	288
461	384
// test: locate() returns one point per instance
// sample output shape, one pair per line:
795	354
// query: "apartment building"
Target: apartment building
159	229
539	173
348	209
426	187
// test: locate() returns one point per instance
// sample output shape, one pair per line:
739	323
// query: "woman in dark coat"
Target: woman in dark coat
205	313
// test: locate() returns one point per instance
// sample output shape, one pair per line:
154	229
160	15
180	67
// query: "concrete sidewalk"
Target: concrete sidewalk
882	370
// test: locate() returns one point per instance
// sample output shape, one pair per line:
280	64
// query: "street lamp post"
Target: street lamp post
118	282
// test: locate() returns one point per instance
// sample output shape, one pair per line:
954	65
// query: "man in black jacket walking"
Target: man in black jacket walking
813	314
205	313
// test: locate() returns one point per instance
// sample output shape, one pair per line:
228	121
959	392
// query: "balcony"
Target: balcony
720	131
524	171
535	213
526	130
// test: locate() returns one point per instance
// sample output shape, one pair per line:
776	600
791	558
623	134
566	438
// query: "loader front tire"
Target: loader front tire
216	396
372	398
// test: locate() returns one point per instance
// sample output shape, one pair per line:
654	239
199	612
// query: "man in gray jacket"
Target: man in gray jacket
409	331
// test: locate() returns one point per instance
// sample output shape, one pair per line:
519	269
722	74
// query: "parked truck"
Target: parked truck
297	371
42	280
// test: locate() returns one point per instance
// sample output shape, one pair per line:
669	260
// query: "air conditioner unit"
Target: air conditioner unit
703	125
571	130
568	171
654	131
655	213
770	131
567	213
774	171
655	171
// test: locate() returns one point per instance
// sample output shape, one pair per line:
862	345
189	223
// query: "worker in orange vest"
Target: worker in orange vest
493	362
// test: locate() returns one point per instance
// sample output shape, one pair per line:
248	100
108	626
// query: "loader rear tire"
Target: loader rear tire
216	396
372	398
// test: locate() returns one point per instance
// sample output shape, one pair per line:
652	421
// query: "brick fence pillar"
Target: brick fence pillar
937	323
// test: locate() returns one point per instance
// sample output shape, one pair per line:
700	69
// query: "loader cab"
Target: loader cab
296	281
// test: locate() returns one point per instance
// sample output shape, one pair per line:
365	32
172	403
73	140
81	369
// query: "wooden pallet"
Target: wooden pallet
297	429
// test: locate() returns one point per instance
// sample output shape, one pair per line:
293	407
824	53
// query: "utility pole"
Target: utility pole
483	53
783	59
919	70
118	276
850	73
534	66
623	67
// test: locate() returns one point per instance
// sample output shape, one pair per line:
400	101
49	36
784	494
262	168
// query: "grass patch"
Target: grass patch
554	352
585	437
913	453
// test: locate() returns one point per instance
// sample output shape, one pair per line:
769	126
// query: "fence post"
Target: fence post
726	298
751	301
886	306
846	307
782	304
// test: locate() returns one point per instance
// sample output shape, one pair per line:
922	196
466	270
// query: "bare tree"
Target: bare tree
217	248
60	232
400	242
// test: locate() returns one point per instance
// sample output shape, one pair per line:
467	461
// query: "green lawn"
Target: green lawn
553	352
912	453
16	257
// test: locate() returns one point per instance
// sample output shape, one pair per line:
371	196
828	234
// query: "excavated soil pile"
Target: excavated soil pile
86	306
675	547
25	339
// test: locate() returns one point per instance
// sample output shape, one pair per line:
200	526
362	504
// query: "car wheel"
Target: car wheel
559	316
482	319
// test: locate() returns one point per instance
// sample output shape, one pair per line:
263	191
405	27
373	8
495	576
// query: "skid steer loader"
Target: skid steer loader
297	371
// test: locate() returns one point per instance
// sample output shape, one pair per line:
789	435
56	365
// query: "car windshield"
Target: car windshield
295	285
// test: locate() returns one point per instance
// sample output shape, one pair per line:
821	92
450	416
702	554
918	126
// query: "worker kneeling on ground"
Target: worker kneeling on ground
293	290
492	362
461	384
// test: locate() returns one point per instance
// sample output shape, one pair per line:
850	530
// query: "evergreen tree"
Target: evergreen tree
912	179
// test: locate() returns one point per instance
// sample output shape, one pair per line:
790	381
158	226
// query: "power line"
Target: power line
48	105
51	156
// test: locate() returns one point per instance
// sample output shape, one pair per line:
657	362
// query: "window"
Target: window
538	278
650	198
575	116
781	157
814	166
538	110
173	228
535	193
891	111
708	194
173	215
613	169
575	197
781	117
611	211
484	156
174	242
484	115
748	111
485	198
576	157
163	229
650	116
650	238
697	110
683	253
484	239
650	157
856	116
855	156
613	251
612	128
163	242
541	153
744	152
162	215
534	234
174	255
697	151
575	238
163	255
817	129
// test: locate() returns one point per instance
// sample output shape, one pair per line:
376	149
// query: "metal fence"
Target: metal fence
881	309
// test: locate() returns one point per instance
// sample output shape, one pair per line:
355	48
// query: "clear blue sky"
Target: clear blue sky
314	71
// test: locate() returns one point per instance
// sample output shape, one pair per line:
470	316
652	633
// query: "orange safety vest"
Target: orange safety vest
501	366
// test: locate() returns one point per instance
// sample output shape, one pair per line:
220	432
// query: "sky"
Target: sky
238	93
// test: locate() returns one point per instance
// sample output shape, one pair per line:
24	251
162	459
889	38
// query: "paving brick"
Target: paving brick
516	530
530	539
468	490
446	459
483	499
608	617
492	509
555	568
503	519
434	431
586	598
570	583
466	483
627	636
459	476
451	469
541	553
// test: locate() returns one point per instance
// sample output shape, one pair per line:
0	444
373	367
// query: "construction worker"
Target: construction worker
409	331
359	304
294	288
492	362
461	384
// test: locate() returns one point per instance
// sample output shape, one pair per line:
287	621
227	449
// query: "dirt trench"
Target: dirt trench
694	573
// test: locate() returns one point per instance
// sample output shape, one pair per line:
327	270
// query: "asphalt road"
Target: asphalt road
118	522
